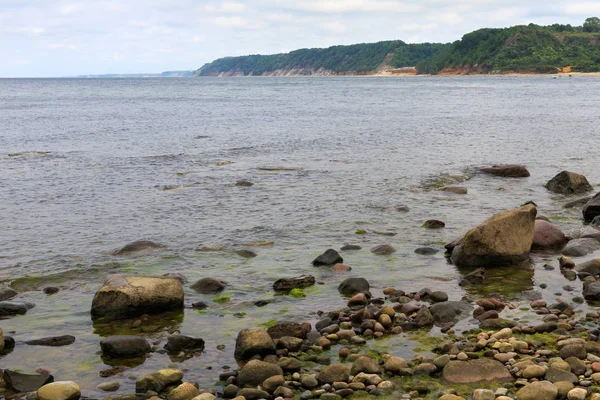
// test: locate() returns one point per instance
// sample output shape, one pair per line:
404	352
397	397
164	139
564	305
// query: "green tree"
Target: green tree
592	24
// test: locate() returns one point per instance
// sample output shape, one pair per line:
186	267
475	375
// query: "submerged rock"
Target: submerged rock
568	183
246	253
450	311
473	278
158	381
298	282
455	189
507	170
209	285
252	342
330	257
53	341
178	343
348	247
426	251
18	382
592	208
434	224
383	250
244	183
502	240
124	346
547	236
6	293
124	296
138	246
8	308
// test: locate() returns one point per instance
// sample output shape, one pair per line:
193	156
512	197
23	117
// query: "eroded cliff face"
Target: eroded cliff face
295	72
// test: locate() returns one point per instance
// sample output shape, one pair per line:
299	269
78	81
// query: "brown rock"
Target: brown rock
547	236
507	170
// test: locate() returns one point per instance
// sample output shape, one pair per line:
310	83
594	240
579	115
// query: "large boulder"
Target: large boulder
253	341
507	170
124	346
581	247
547	236
568	183
592	208
255	372
502	240
475	371
126	296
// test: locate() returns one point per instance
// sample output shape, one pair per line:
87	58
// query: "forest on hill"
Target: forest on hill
523	48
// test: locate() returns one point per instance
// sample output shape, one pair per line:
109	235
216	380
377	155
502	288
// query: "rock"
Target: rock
159	380
534	371
483	394
591	267
475	371
555	374
504	239
568	183
256	372
563	389
205	396
434	224
126	296
473	278
273	382
330	257
9	308
334	373
592	208
395	365
455	189
541	390
185	391
138	246
244	183
283	392
450	311
53	341
209	285
6	293
578	202
298	282
252	394
341	268
573	350
178	343
507	170
62	390
253	341
426	251
578	367
1	340
383	250
351	286
365	364
246	253
547	236
577	394
111	386
349	247
125	346
424	317
288	328
581	247
22	383
591	291
589	232
438	296
359	299
230	391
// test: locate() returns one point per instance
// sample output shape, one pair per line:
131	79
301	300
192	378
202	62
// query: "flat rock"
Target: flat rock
298	282
541	390
256	372
19	382
475	371
349	247
125	346
426	251
127	296
507	170
383	250
450	311
53	341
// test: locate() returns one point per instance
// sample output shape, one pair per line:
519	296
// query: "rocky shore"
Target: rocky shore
338	356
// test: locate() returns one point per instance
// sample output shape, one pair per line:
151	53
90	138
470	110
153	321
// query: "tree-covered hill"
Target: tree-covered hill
354	59
525	48
531	48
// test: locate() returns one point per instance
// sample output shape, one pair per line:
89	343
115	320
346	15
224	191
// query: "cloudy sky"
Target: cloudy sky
73	37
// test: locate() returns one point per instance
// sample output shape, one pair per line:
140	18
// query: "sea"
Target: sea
89	165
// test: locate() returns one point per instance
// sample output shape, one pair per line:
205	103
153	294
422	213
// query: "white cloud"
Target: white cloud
584	9
345	6
234	21
334	27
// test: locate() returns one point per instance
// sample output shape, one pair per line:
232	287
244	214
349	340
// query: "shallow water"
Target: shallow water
100	163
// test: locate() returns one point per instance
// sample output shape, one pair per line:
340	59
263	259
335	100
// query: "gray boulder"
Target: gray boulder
591	267
54	341
507	170
6	293
298	282
581	247
178	343
568	183
9	308
22	383
209	285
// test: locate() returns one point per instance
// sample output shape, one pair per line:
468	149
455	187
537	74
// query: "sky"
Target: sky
43	38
